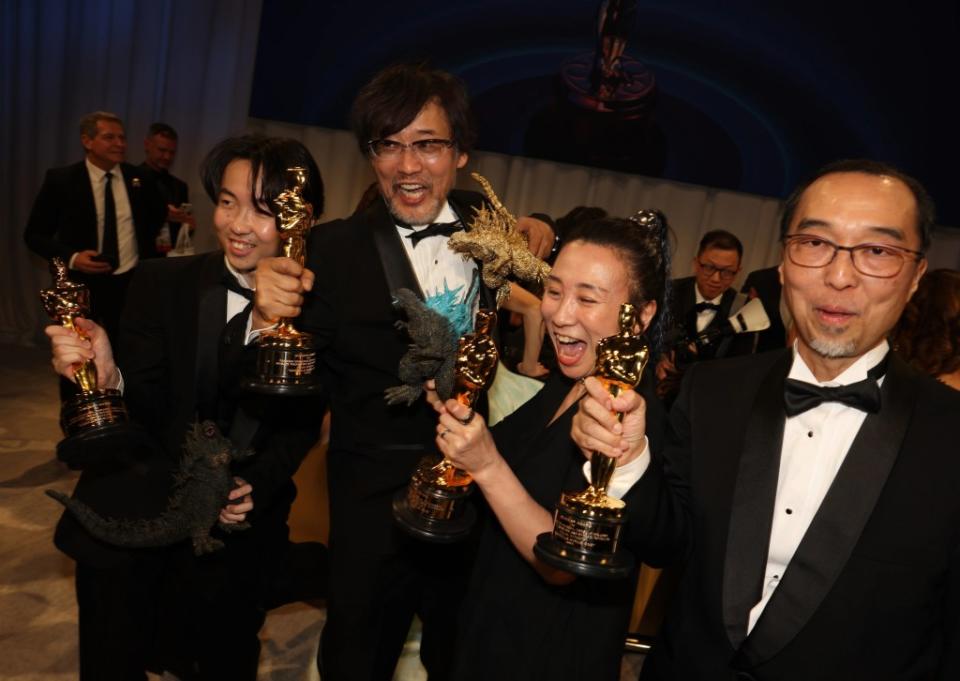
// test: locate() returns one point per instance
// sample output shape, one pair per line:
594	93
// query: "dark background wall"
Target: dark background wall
749	95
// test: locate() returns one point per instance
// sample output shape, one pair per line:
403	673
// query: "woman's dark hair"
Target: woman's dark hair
390	102
643	243
928	333
269	159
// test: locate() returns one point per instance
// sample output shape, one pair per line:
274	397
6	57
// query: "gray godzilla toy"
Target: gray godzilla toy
202	487
431	353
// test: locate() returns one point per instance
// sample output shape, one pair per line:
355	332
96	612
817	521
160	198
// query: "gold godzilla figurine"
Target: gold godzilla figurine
493	240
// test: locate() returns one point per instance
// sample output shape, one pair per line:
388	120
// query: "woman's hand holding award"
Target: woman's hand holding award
587	526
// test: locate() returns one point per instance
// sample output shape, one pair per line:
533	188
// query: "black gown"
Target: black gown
513	624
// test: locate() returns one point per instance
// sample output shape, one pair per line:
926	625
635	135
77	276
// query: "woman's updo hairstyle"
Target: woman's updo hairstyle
643	243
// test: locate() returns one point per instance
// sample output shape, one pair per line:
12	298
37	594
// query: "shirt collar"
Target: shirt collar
98	173
853	373
701	299
236	275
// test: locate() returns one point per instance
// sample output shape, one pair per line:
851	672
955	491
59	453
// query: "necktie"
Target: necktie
800	396
701	307
435	229
231	284
109	250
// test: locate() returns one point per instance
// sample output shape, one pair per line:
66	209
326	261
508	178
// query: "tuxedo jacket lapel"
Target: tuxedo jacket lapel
751	513
825	548
208	321
396	265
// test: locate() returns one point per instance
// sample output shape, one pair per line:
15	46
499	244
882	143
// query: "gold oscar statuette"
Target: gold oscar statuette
93	411
587	526
433	506
286	357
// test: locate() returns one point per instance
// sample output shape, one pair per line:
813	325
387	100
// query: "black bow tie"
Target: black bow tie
434	229
702	307
799	396
231	283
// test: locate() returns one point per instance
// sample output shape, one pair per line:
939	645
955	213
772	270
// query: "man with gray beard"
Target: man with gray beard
812	490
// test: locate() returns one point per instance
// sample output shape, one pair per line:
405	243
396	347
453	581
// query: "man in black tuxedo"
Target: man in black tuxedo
414	125
100	215
812	491
159	151
182	349
698	304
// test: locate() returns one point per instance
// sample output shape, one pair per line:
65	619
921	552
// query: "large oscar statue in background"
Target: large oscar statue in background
587	526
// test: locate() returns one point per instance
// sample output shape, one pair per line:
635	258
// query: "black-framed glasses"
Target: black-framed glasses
724	272
426	150
873	260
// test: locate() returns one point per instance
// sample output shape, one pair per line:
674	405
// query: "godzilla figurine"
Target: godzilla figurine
202	487
494	242
430	355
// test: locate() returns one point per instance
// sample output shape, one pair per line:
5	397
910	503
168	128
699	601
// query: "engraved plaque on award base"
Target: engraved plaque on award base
285	364
286	357
94	412
434	505
587	526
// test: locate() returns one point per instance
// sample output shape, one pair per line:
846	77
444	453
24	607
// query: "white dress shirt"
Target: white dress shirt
444	276
126	235
815	444
706	316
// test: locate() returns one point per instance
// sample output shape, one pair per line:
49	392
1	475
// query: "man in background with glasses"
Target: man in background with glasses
415	127
811	490
699	304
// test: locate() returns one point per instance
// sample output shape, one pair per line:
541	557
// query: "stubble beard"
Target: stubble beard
833	349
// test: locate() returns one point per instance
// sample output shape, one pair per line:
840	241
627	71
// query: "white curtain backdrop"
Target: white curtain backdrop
189	64
530	185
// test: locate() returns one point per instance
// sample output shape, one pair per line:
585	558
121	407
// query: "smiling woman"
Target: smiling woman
522	618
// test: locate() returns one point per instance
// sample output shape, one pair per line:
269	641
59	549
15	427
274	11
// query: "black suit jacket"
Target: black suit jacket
872	590
373	447
766	284
63	220
172	191
180	362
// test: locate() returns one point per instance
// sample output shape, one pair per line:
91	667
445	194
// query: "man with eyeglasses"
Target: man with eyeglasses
811	490
414	126
700	303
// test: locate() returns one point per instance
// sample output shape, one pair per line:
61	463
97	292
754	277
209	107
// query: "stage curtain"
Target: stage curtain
189	64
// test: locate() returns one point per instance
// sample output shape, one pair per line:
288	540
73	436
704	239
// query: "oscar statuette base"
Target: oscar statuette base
285	366
585	538
87	416
432	511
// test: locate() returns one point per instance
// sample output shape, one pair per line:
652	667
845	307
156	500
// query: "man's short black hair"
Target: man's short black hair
269	159
926	211
162	129
390	102
722	240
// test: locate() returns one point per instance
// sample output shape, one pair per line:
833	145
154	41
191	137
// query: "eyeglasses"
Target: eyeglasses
724	272
873	260
426	150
